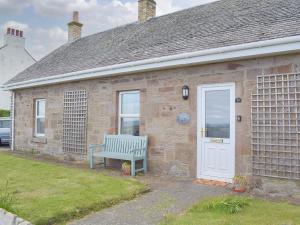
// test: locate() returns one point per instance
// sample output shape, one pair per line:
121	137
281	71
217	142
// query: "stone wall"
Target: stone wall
276	189
172	147
7	218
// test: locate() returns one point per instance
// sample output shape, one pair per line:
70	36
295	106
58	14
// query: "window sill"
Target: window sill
41	140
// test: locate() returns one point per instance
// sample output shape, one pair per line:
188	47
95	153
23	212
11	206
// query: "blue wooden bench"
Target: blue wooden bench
123	147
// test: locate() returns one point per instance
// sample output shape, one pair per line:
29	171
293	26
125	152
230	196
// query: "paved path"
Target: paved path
168	196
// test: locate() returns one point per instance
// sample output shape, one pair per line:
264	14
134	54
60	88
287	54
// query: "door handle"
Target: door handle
216	140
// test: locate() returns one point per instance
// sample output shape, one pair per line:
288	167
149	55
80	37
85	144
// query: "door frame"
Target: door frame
231	86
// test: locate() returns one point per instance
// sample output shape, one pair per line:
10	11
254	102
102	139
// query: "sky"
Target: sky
44	22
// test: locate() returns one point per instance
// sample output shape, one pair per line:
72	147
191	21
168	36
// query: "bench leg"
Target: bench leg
132	168
145	165
104	160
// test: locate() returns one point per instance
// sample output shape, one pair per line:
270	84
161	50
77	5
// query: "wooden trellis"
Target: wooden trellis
74	121
276	126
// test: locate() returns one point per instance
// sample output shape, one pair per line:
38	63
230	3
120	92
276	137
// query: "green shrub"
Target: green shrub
4	113
7	199
228	204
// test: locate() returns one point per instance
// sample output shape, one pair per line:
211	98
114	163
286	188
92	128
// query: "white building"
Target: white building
14	58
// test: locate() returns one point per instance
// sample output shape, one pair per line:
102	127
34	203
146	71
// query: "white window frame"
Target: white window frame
120	116
36	134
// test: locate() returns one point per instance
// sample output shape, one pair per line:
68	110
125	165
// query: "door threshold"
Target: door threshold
215	178
207	182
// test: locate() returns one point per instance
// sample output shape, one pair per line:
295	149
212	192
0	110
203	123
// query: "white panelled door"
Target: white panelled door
216	132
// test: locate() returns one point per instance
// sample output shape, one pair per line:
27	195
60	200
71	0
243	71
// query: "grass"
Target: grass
235	210
48	194
7	200
4	113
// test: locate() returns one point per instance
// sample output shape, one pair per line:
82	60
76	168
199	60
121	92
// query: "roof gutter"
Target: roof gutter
235	52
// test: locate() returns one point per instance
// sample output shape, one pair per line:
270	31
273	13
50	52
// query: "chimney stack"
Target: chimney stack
14	37
74	28
147	10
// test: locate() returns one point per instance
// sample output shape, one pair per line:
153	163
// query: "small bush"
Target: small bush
4	113
229	204
7	200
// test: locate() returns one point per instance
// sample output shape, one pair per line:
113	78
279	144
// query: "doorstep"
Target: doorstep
210	182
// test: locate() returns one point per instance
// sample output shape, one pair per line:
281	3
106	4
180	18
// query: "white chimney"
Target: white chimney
14	37
74	28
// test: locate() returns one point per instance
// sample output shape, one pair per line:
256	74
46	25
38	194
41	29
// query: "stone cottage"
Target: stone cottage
14	58
215	87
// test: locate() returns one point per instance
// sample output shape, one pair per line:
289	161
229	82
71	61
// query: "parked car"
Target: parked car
5	134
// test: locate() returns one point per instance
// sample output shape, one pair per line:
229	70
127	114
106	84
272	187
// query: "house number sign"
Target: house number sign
183	118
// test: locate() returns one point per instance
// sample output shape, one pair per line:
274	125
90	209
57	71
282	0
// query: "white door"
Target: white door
216	132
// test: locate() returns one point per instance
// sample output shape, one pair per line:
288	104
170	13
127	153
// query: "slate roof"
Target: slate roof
218	24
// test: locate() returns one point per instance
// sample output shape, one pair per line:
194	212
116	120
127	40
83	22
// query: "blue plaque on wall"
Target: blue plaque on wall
183	118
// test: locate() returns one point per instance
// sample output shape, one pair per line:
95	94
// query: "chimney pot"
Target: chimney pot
14	37
74	28
147	9
76	16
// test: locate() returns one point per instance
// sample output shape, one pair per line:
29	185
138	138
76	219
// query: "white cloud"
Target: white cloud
105	16
96	15
61	7
12	6
14	24
166	6
169	6
46	40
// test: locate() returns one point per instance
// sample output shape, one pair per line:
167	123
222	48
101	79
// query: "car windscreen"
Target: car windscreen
4	124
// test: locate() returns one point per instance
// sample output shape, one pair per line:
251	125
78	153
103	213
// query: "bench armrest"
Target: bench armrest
95	148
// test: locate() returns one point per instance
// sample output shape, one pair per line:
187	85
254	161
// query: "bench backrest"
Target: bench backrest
123	144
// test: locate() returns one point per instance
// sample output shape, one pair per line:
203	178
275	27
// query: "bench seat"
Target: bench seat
120	156
123	147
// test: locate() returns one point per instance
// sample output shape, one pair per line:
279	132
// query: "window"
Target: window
217	113
129	113
40	117
4	123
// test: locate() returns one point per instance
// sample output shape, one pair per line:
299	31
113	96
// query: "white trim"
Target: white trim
231	87
12	116
120	115
234	52
36	134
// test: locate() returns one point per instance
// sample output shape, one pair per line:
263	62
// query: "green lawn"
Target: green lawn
51	194
248	211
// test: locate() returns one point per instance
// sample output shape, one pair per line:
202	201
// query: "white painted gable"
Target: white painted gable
13	59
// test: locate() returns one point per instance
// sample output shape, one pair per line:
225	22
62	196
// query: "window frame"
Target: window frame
36	134
121	115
